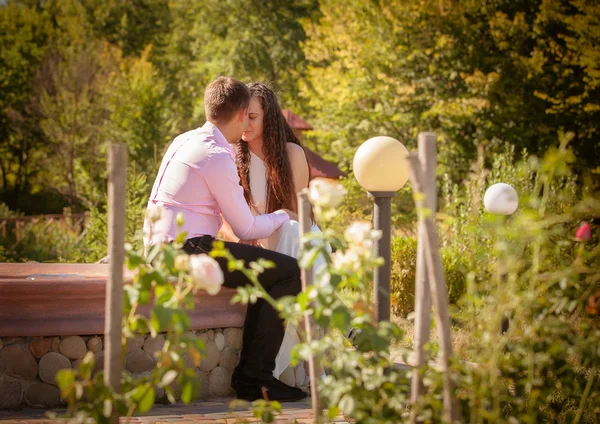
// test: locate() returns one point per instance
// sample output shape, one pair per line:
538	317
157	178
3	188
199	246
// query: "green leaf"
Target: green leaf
161	318
143	396
65	378
341	318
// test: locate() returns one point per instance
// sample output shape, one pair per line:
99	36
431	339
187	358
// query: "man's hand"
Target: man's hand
293	215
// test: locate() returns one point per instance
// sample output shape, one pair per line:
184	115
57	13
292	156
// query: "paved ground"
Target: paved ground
213	411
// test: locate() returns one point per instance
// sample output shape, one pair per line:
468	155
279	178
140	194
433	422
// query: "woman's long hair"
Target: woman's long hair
277	134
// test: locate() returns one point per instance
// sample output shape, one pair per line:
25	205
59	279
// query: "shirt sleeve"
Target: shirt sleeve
221	177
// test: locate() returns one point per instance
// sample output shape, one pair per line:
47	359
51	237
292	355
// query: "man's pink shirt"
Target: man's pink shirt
198	178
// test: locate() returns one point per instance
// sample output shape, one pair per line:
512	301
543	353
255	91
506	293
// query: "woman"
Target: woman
273	168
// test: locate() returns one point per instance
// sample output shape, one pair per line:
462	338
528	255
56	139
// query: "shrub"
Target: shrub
404	262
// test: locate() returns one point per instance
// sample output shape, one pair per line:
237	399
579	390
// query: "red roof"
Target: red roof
319	167
295	121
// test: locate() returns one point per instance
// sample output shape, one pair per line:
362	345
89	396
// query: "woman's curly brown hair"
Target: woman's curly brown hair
276	134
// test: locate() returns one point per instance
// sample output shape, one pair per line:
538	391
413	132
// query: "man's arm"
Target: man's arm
222	179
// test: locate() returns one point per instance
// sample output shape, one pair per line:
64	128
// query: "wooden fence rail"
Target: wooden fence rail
16	223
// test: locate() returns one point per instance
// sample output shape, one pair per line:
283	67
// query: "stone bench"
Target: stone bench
52	314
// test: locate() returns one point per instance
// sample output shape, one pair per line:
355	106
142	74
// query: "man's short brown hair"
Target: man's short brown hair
223	98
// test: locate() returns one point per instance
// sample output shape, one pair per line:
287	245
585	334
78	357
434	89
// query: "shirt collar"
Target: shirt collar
219	137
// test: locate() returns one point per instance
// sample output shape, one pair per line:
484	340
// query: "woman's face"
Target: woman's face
254	130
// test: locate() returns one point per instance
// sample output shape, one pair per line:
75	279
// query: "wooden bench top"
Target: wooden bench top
43	299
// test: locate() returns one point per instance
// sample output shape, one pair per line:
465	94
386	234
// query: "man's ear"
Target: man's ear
241	114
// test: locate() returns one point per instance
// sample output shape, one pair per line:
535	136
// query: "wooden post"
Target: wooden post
18	230
437	286
117	185
428	158
304	215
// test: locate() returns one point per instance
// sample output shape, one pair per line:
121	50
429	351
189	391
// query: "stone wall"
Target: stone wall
28	365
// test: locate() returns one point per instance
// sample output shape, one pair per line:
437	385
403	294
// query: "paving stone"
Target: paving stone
55	344
138	361
73	347
233	337
153	345
40	346
94	344
11	392
17	361
50	363
212	357
220	382
229	358
42	395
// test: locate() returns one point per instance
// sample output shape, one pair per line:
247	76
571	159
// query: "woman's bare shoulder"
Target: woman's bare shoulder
295	151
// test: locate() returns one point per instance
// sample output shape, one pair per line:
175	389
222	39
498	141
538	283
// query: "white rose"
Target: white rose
346	261
325	192
207	273
358	232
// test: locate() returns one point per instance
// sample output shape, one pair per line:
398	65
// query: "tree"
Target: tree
480	73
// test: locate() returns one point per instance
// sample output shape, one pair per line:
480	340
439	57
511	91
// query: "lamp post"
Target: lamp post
380	167
501	199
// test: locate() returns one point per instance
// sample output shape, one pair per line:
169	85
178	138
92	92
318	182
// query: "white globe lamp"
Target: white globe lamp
501	199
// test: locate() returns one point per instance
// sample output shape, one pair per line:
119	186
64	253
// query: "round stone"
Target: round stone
300	375
98	362
135	344
73	347
153	345
55	344
40	346
50	364
220	341
75	364
11	392
138	361
42	395
220	382
229	358
202	336
17	361
210	334
234	337
94	344
212	357
288	377
204	384
13	340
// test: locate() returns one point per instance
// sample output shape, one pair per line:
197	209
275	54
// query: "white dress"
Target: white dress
285	240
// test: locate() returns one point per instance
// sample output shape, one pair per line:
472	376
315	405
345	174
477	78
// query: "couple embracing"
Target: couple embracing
237	177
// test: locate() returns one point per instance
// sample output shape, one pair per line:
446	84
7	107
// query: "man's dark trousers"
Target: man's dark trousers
263	328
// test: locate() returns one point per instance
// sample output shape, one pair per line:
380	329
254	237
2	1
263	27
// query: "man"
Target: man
198	178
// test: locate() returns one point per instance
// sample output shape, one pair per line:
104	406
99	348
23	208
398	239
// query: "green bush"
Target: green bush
58	241
404	262
96	237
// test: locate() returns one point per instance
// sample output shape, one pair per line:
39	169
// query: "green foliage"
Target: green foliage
404	264
96	235
477	73
41	241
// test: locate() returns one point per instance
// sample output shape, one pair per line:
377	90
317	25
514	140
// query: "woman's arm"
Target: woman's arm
299	165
